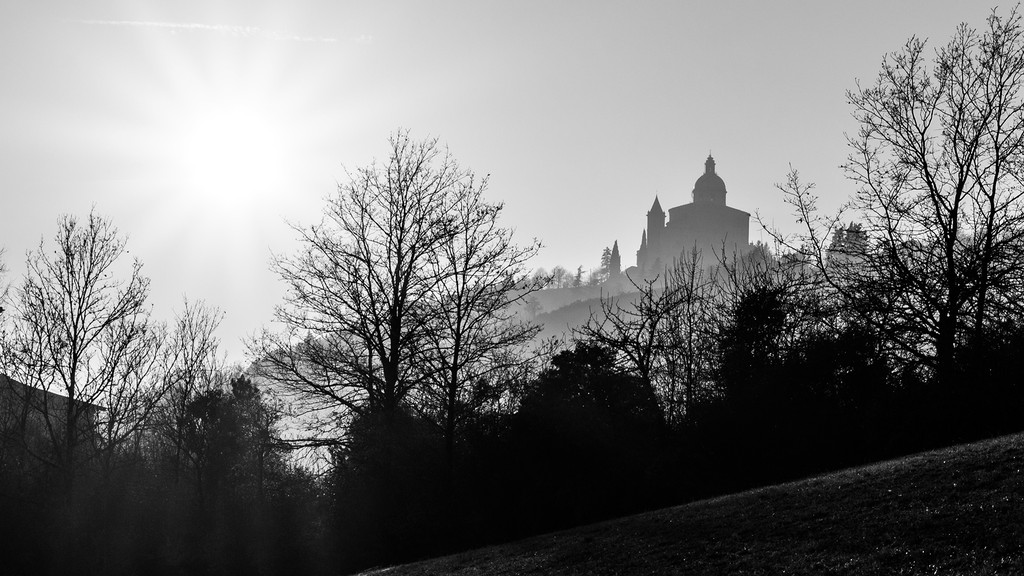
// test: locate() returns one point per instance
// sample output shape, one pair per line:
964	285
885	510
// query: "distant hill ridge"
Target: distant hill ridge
559	310
958	510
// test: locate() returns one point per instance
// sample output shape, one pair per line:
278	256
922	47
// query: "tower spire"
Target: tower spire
656	207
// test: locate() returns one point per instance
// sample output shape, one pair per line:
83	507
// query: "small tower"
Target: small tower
655	226
641	254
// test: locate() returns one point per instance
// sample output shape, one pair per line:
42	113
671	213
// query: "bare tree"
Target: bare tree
937	165
662	331
129	387
473	335
3	283
687	336
634	325
80	328
192	365
767	307
363	292
560	277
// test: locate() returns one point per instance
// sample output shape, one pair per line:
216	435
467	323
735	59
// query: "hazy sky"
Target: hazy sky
201	128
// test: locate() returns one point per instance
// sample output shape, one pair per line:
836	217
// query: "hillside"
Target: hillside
958	510
563	318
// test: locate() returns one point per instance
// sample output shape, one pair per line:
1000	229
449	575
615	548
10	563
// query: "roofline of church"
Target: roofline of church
717	206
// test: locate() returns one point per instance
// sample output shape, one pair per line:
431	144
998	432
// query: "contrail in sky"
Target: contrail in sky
225	29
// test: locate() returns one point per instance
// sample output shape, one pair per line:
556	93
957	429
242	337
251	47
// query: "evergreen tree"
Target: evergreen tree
606	261
614	261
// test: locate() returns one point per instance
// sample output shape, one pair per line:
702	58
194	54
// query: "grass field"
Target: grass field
958	510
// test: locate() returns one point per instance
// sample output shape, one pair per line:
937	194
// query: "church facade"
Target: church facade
706	225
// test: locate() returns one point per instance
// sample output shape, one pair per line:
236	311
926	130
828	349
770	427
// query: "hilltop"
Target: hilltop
957	510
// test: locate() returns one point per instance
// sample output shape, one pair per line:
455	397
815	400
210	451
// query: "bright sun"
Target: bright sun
230	152
233	136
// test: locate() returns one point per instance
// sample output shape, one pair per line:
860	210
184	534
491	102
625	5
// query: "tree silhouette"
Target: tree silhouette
79	331
588	435
614	261
3	283
939	195
231	436
606	263
404	283
473	334
192	367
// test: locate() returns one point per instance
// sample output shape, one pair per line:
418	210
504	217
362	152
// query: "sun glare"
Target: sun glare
230	152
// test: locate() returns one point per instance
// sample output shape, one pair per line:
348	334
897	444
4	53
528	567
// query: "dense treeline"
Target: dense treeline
125	445
402	408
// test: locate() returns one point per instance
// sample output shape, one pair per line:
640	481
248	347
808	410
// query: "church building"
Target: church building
706	225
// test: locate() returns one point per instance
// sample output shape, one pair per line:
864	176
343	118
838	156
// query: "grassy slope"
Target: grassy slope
958	510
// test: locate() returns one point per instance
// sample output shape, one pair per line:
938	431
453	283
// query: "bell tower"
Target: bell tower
655	226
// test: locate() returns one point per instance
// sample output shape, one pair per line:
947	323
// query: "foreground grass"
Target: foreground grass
958	510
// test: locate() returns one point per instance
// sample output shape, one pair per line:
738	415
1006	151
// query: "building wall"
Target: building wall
709	228
32	422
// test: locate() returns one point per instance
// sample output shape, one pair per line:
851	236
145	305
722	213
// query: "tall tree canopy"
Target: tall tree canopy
406	281
937	164
80	328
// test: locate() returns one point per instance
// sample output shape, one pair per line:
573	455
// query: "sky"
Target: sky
204	130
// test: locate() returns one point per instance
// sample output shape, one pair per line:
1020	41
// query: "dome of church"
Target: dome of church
709	187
